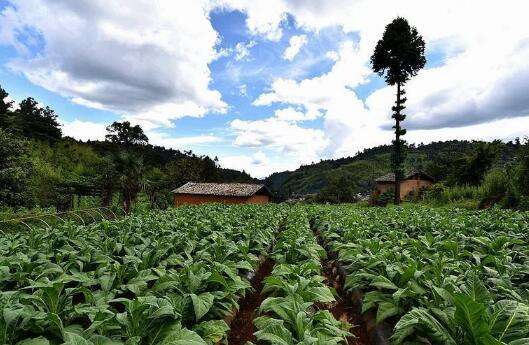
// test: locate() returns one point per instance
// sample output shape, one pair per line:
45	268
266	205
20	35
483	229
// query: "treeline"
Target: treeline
39	167
455	165
494	174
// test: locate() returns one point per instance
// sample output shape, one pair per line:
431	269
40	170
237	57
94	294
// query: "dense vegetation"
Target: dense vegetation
429	275
295	287
160	278
41	168
438	276
455	164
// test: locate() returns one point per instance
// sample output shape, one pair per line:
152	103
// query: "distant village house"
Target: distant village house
413	182
193	193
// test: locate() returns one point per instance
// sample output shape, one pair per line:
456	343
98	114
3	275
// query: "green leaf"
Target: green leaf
273	331
322	294
34	341
472	317
382	282
213	330
202	304
385	310
75	339
101	340
182	336
420	320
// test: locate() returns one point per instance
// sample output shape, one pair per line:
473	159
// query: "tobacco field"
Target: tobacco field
270	274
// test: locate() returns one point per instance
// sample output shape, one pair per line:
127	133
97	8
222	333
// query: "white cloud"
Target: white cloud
332	55
180	143
304	144
294	115
264	17
133	57
504	129
331	94
150	63
466	90
295	45
242	50
84	130
482	74
258	164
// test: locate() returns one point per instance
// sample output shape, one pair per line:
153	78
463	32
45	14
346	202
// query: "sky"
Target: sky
267	85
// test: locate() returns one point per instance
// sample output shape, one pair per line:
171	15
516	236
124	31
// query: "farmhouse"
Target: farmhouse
227	193
413	182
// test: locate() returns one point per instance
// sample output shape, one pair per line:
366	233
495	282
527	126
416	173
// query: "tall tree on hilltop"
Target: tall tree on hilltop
34	122
125	134
399	55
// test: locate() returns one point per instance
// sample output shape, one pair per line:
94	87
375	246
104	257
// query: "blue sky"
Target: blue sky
264	85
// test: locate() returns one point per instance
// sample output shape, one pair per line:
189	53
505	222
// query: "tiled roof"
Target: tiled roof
221	189
391	176
386	178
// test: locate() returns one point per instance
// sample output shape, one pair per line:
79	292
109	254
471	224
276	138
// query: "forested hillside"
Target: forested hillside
452	162
39	167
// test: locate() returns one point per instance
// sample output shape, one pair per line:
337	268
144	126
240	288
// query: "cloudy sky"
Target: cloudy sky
267	85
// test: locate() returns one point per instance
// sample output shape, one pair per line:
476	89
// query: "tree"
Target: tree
107	180
522	178
35	122
341	187
399	55
129	169
15	169
123	133
154	184
471	169
5	109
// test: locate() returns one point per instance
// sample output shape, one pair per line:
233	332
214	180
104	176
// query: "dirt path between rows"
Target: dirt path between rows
241	327
343	309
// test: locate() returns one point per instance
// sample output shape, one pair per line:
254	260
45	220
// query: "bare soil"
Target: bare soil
241	328
344	309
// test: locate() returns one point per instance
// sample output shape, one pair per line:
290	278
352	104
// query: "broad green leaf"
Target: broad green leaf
213	330
385	310
202	304
382	282
34	341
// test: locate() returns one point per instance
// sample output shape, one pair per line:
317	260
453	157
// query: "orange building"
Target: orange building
193	193
413	182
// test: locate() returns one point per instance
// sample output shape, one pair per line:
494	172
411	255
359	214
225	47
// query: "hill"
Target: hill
362	169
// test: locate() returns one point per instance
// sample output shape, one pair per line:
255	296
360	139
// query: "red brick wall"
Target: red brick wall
258	199
412	186
193	199
406	186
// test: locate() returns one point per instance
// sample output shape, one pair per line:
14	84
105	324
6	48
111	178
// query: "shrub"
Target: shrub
382	199
496	184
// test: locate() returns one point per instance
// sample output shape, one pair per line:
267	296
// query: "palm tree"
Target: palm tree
129	168
399	55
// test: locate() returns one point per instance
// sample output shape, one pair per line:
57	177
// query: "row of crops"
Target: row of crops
161	278
432	276
436	276
293	312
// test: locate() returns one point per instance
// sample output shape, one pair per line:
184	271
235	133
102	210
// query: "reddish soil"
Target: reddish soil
344	309
241	328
